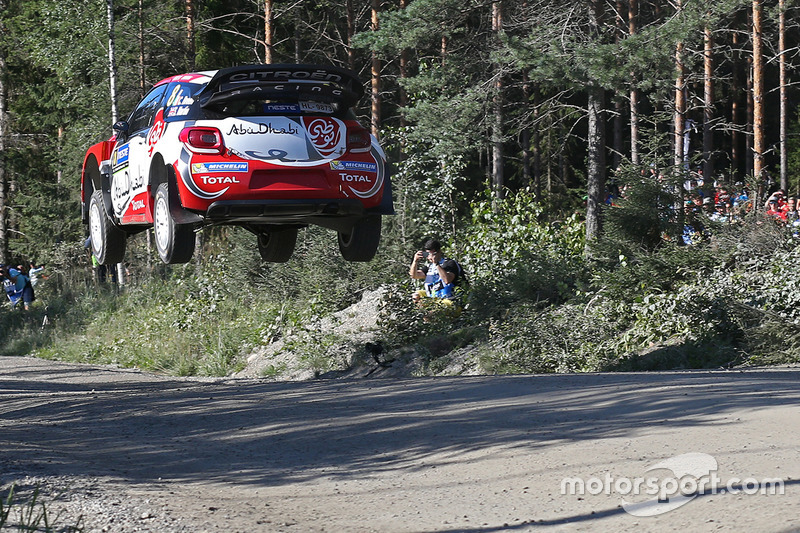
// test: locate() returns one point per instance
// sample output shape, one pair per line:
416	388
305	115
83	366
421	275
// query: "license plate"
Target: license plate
316	107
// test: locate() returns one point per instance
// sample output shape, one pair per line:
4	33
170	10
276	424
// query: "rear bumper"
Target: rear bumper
281	211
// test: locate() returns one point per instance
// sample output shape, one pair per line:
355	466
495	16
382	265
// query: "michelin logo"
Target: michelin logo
204	168
354	165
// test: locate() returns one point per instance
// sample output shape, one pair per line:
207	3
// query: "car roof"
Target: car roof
192	77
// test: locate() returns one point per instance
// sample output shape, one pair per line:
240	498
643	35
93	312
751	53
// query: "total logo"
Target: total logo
198	168
353	178
219	180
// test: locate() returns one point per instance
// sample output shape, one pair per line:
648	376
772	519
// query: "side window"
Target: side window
142	116
180	102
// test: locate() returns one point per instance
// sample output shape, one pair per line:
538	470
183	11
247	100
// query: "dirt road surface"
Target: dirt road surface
131	451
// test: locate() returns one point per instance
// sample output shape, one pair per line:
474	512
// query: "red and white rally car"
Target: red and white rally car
271	148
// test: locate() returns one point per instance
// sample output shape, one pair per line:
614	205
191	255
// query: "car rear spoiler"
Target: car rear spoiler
315	82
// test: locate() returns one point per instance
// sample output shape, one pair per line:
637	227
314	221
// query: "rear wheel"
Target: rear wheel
108	240
361	242
175	242
277	245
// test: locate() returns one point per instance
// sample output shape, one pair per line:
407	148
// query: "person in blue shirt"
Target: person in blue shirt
22	285
441	275
9	287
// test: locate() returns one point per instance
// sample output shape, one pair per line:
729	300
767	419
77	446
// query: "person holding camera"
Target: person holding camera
21	285
441	275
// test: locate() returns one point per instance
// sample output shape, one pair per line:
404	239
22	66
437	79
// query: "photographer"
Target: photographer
441	276
22	288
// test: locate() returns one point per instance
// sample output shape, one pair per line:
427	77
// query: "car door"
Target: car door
132	155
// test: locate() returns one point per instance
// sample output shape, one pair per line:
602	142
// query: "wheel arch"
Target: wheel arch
158	174
161	172
92	179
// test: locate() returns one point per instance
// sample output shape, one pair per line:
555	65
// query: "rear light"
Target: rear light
358	140
202	140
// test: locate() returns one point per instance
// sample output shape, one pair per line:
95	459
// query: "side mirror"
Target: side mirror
121	127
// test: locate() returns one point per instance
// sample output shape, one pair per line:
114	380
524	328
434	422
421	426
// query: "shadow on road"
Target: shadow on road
143	428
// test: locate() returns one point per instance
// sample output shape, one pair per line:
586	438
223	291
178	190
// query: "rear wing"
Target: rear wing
319	83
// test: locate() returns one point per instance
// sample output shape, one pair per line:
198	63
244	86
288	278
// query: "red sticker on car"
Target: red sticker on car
325	134
156	131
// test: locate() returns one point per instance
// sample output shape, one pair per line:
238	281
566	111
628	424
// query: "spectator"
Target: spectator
773	208
777	198
721	213
790	209
693	229
8	286
33	273
708	206
22	285
441	276
722	195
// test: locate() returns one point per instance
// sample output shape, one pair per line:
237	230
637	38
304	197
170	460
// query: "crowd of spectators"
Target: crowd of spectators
708	203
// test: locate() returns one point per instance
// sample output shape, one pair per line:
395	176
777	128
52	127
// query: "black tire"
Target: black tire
108	240
361	242
175	242
277	245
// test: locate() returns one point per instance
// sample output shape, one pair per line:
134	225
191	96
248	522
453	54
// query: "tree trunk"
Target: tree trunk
112	61
351	31
679	117
758	93
596	186
112	80
298	35
678	134
708	104
498	176
526	134
190	49
404	60
3	126
735	107
783	96
269	32
596	170
616	157
748	139
619	104
376	76
537	147
142	76
633	8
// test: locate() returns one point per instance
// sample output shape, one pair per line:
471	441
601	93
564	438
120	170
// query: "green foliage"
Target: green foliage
182	326
572	337
195	320
511	248
740	311
426	185
533	304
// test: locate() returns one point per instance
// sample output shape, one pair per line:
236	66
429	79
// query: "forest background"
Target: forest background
507	123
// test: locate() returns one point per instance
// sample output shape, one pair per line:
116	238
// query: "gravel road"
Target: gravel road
130	451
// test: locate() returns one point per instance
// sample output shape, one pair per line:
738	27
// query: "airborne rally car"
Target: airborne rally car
271	148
